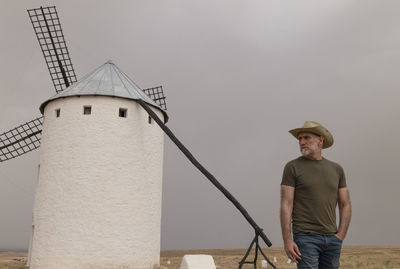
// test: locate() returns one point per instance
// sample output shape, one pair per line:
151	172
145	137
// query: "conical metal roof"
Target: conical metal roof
106	80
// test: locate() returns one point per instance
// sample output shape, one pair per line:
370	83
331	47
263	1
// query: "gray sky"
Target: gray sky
238	75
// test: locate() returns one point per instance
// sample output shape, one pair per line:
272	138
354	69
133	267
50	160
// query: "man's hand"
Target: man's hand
292	251
339	236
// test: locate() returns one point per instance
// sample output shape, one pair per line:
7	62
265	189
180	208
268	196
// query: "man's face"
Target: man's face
310	143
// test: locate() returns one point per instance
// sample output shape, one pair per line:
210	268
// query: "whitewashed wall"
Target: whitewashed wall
98	197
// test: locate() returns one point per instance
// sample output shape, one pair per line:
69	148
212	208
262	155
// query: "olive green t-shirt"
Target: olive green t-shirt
316	184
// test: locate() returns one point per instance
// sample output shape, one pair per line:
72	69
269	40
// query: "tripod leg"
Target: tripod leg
265	257
247	254
256	253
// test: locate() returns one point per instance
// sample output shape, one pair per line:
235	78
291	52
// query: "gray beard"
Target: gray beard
306	152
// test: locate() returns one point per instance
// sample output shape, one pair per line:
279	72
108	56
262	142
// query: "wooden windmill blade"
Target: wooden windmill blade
21	139
157	95
51	39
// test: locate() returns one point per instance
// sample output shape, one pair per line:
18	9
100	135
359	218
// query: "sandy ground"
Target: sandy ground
352	257
12	259
361	257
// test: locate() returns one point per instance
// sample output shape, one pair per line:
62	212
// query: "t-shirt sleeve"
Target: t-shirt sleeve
342	178
289	176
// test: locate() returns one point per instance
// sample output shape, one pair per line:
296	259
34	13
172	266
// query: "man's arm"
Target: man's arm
344	212
287	196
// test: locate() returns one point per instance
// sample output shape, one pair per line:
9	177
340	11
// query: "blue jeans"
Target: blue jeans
318	251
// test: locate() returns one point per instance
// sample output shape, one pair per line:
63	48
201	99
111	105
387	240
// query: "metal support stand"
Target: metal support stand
257	248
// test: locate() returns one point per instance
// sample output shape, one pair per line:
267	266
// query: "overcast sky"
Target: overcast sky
237	75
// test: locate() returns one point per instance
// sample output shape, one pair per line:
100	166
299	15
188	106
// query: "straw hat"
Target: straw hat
315	128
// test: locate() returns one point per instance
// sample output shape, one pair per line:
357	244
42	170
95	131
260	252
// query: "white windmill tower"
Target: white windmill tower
98	197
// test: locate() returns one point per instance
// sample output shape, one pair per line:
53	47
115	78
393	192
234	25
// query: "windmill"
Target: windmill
53	231
66	232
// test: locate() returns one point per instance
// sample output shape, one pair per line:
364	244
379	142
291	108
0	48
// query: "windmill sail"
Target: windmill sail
48	31
157	95
21	139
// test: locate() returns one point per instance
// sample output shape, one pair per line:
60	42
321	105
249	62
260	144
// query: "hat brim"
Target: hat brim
318	130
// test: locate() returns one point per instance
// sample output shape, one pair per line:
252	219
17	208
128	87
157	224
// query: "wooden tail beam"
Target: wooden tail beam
203	170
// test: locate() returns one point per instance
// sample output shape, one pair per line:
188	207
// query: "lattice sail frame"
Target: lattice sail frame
21	139
51	39
157	95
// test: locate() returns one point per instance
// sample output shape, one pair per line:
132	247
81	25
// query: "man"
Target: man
311	188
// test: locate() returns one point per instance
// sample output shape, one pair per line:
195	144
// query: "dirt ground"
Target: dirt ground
352	257
12	260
